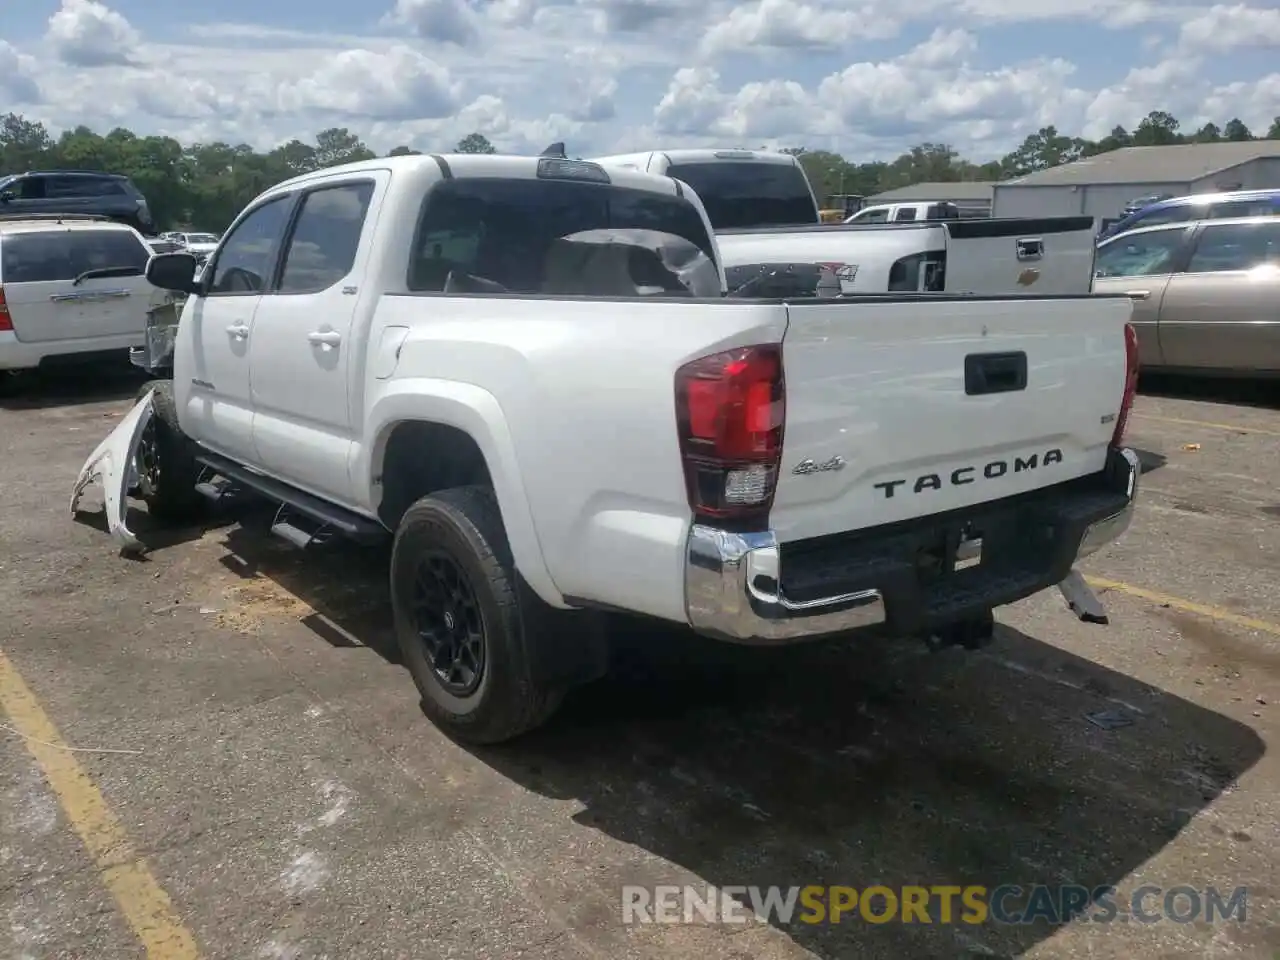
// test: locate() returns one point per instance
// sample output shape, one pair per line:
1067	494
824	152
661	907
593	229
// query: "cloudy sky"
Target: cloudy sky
865	77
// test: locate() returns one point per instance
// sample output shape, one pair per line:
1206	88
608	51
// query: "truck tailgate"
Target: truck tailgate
1047	256
884	422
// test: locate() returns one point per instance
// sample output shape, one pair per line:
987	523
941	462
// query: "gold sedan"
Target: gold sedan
1206	293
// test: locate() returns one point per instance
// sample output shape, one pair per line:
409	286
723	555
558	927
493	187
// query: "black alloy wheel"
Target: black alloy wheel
447	617
148	460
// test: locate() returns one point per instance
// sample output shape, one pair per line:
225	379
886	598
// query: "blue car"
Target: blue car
1200	206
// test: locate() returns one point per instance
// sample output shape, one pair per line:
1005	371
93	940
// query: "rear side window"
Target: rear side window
325	238
64	255
55	187
1244	208
503	236
742	193
904	215
1236	246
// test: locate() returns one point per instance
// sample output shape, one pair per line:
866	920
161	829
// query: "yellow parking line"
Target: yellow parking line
1232	427
1188	606
141	899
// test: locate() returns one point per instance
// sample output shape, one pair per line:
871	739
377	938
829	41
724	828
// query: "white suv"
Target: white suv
71	286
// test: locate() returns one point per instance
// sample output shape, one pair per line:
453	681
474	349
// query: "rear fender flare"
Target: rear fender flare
476	412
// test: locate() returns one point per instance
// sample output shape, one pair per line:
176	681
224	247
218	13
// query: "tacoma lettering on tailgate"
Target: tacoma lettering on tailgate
962	475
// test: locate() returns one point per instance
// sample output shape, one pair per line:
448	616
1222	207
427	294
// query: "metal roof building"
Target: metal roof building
1100	186
967	194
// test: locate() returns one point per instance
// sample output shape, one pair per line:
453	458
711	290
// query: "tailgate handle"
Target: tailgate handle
994	373
1030	248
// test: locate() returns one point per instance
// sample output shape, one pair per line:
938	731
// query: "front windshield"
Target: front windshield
201	238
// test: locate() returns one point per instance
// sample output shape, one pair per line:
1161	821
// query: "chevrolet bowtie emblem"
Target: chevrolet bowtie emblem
1028	276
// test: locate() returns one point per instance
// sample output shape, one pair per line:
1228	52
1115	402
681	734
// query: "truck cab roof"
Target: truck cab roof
449	166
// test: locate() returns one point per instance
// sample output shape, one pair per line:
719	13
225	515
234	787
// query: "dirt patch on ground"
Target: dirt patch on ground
250	603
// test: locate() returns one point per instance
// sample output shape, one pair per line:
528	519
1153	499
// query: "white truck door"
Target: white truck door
218	409
302	354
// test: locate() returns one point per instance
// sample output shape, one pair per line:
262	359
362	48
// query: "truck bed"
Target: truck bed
986	257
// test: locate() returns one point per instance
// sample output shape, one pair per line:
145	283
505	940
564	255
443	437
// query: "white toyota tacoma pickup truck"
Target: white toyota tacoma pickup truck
525	373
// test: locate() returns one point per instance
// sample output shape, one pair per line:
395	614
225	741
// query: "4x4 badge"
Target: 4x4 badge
812	466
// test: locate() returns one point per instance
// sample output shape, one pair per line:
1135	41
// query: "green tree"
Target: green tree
1041	150
339	145
1157	129
23	143
403	151
1236	130
474	143
1209	133
204	185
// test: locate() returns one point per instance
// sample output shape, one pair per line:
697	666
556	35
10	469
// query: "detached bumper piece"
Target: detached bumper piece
908	578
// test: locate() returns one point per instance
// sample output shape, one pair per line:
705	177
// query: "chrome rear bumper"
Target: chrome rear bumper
734	581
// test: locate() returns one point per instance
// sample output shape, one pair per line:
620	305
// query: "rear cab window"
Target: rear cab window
740	194
560	238
62	255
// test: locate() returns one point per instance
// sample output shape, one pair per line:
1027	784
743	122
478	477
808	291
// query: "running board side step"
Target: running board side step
298	511
213	487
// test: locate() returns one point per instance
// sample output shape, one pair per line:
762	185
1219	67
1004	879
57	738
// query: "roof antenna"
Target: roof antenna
556	150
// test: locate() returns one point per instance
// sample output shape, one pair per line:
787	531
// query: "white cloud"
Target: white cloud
17	76
1222	28
769	25
85	33
449	21
399	83
608	75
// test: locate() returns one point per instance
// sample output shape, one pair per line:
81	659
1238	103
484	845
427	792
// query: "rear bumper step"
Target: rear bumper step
905	577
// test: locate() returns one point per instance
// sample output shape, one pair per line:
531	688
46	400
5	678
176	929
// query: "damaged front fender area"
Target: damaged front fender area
114	462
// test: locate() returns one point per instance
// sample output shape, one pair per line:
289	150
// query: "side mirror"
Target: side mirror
172	271
7	195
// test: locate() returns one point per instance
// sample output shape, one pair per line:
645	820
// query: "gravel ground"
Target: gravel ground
284	797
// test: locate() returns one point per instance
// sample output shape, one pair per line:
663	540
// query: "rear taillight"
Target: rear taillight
1130	383
730	409
6	321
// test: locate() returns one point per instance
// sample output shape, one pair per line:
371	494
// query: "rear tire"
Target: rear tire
167	467
459	621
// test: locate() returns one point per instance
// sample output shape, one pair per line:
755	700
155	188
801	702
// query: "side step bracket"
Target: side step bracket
302	519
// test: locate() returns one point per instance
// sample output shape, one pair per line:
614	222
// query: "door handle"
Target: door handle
986	373
238	330
1138	294
326	338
